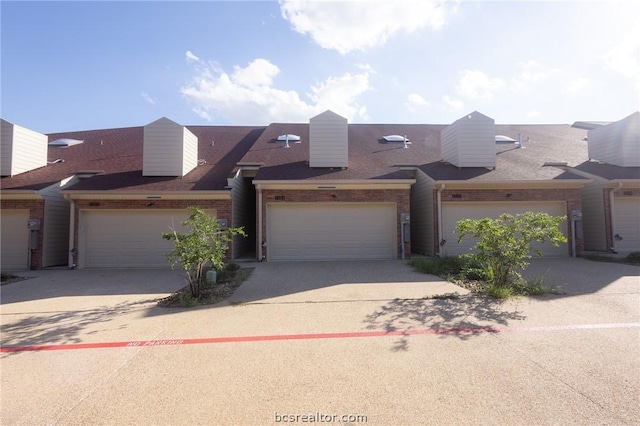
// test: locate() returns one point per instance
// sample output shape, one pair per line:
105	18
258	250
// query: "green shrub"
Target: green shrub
187	300
504	244
474	270
227	273
498	291
442	267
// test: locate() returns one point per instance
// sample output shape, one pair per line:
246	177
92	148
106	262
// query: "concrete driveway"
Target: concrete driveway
349	342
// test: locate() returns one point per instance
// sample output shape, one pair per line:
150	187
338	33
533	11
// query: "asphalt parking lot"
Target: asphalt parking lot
321	343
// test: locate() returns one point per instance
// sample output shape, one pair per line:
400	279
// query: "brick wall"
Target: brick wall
398	196
36	211
572	197
223	210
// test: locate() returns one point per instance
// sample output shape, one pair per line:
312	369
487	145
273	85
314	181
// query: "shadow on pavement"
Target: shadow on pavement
57	283
578	276
456	316
65	327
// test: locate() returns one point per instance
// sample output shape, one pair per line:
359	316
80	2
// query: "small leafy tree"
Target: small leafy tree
203	247
504	244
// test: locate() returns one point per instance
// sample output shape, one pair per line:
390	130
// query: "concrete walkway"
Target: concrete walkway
339	341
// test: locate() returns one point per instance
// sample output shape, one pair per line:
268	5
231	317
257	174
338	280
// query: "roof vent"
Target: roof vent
504	139
290	138
397	138
65	142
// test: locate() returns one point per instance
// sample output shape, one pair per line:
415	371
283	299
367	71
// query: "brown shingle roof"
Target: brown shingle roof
117	153
370	157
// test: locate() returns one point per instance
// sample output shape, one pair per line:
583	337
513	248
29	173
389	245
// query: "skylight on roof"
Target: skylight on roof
65	142
289	137
504	139
396	138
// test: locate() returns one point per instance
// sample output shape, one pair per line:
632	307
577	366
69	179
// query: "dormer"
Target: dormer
169	149
328	140
21	149
617	143
470	141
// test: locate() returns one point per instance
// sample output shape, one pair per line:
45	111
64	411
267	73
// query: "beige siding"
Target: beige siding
14	241
169	149
127	239
627	224
593	219
26	149
242	214
422	225
452	212
328	141
617	143
6	142
335	231
470	142
55	248
190	153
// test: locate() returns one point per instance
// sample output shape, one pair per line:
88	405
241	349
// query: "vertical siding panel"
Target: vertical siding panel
617	143
470	142
328	141
241	215
26	149
593	220
169	149
422	214
6	151
56	227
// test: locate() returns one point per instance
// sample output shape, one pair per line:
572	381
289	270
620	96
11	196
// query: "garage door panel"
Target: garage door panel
14	240
128	239
627	224
453	212
335	231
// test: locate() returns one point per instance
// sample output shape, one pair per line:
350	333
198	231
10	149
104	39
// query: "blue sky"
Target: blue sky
89	65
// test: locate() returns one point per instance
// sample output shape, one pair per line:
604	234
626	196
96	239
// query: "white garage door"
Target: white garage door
127	239
453	212
627	224
14	238
331	231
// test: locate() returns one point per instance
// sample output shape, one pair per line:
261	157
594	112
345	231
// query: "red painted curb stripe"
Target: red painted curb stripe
312	336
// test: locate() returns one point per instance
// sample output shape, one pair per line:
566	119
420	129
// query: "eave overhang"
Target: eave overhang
375	184
19	194
514	184
624	183
151	195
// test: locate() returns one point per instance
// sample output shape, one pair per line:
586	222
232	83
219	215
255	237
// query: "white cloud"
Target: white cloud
624	57
530	75
532	115
148	98
259	72
577	85
248	95
415	102
191	57
477	85
454	105
346	26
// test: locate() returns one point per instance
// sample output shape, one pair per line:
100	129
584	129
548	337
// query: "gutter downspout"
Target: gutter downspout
439	207
612	213
72	228
260	254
